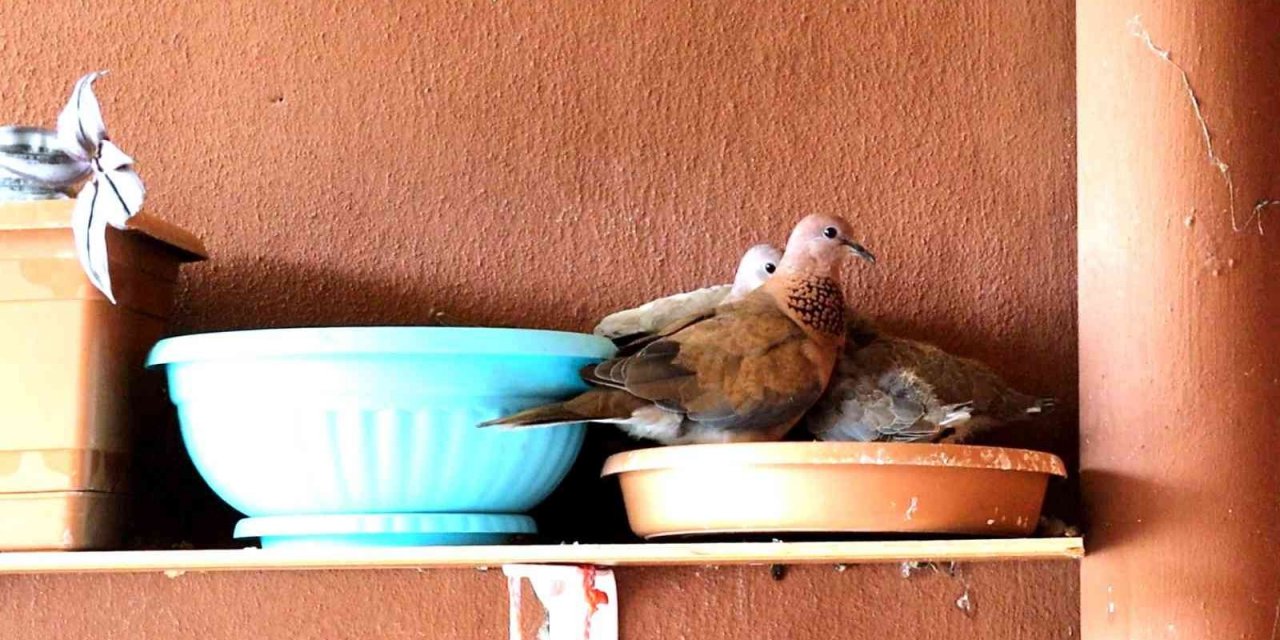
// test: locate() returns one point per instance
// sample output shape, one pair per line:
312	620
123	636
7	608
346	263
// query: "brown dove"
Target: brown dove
757	264
748	371
888	388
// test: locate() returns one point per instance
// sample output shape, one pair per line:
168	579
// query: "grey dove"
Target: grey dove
757	264
889	388
746	372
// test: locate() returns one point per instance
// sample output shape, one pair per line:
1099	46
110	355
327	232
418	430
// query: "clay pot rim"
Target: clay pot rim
36	215
837	453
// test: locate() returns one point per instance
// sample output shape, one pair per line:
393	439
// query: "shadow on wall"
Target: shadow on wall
586	507
171	506
253	294
1132	495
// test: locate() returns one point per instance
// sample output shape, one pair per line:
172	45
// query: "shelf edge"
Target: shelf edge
617	555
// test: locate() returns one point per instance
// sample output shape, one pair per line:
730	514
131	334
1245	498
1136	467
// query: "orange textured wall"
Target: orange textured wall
1179	274
540	165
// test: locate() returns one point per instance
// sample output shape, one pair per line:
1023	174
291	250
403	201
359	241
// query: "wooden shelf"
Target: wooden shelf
657	554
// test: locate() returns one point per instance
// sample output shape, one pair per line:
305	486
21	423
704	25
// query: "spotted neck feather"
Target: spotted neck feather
814	301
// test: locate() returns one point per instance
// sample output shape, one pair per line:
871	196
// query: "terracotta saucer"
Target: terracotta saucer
833	487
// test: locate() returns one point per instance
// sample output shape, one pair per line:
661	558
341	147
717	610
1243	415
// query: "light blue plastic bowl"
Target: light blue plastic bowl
375	420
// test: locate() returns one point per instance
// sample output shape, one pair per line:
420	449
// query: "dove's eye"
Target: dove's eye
770	267
830	232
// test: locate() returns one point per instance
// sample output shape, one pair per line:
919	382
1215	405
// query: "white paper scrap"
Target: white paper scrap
581	603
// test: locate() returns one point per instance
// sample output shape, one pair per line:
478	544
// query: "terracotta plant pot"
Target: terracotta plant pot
72	381
820	487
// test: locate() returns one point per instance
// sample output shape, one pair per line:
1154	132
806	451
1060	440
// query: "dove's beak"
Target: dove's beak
861	251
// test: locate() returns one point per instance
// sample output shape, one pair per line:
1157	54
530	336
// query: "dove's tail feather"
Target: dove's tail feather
1041	406
596	405
956	413
545	416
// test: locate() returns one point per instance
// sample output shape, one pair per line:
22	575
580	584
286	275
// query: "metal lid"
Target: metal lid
18	189
31	141
33	146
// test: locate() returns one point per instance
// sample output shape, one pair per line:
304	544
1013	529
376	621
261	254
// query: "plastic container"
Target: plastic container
370	420
61	521
72	384
34	471
833	487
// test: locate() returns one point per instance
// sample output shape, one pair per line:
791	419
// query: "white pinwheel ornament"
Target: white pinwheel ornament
113	192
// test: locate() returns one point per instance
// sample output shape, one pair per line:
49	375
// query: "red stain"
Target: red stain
594	596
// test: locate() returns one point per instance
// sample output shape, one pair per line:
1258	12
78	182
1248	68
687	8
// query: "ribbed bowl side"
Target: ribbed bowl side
297	461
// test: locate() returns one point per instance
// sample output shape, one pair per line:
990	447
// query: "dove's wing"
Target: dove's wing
865	413
955	378
633	343
745	367
654	315
890	405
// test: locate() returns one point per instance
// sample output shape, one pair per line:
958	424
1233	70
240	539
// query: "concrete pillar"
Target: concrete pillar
1179	267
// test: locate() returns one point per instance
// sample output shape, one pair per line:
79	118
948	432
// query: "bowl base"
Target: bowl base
344	531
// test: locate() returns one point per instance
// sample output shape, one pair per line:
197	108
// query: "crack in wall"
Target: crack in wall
1263	204
1275	623
1137	30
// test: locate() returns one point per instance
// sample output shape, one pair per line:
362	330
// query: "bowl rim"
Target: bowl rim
915	454
376	340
